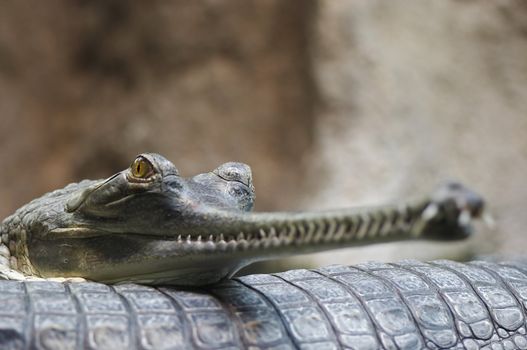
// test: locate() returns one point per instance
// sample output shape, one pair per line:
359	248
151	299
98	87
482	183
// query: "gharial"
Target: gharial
149	225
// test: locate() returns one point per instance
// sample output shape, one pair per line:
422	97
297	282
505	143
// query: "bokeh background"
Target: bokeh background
332	103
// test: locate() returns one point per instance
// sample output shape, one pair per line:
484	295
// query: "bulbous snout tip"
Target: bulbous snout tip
464	198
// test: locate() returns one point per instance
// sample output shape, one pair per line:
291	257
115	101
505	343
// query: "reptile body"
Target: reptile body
407	305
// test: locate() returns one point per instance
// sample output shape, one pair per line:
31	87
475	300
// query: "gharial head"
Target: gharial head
146	223
150	194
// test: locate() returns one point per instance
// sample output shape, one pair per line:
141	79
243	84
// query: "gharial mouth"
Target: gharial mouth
265	237
86	232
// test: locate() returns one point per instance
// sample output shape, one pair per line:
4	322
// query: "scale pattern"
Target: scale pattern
406	305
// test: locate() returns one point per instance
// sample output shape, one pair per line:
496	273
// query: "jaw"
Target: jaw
135	258
180	272
182	263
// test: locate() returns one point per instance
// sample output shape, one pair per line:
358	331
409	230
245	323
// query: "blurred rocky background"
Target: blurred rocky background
332	103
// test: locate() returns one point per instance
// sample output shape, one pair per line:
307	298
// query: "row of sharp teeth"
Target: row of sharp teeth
370	226
230	242
327	231
263	234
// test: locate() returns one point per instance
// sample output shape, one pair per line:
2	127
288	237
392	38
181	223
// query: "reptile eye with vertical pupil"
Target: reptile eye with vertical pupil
141	168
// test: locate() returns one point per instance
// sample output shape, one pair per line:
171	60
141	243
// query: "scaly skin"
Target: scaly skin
372	306
148	224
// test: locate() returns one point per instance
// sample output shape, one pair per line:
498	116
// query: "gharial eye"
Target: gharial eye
141	168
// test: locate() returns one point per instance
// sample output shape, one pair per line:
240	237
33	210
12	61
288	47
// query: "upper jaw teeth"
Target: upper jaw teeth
231	242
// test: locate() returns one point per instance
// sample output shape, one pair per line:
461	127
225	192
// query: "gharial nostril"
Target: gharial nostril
476	205
454	186
479	208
